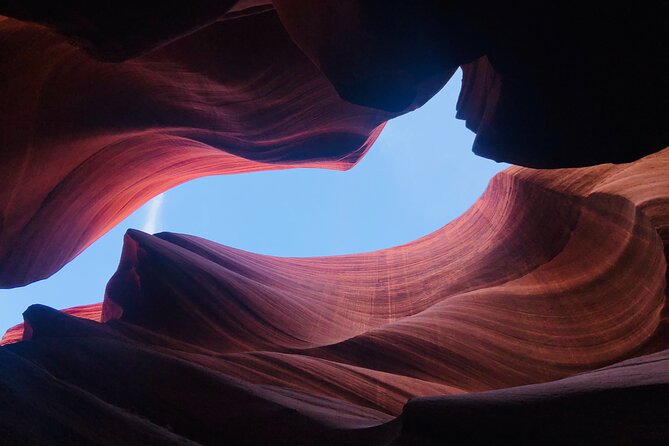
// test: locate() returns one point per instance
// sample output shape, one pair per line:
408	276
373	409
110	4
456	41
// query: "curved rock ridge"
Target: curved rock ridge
23	331
538	316
106	106
84	142
537	75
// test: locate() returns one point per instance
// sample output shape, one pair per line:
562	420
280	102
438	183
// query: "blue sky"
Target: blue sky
419	175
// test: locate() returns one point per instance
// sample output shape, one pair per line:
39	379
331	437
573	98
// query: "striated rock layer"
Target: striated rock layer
106	105
537	317
84	142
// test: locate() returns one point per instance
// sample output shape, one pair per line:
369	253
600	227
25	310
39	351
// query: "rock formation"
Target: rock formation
537	317
106	106
545	301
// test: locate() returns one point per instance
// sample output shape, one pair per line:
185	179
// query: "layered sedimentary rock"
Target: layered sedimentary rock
105	106
84	142
538	316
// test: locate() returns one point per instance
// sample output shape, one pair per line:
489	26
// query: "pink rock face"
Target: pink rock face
538	315
85	142
106	106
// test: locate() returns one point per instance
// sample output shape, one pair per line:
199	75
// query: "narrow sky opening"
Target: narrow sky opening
419	175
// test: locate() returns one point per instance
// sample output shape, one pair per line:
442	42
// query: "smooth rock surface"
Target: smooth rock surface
538	316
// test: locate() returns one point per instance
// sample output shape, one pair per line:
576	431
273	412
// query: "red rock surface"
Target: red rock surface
106	106
84	143
537	316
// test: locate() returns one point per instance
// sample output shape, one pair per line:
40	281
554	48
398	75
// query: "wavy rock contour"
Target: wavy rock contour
537	316
106	106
